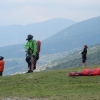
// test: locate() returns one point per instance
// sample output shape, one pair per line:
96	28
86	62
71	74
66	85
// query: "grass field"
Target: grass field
50	85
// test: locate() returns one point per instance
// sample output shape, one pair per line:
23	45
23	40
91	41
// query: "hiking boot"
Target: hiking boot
34	67
28	71
31	71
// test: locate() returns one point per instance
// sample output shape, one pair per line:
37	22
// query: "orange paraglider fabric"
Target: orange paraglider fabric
1	65
86	72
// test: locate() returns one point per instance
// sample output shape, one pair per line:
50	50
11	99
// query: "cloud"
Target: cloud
30	11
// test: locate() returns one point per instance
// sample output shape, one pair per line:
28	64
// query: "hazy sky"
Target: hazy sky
30	11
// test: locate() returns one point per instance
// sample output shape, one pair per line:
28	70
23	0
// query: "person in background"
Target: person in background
1	65
31	49
84	57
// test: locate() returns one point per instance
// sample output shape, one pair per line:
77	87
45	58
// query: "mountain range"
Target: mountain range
17	34
85	32
74	36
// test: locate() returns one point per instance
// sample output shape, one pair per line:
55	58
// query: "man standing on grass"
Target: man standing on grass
31	49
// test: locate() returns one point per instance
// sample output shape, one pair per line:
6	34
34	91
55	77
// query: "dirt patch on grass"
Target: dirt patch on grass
17	98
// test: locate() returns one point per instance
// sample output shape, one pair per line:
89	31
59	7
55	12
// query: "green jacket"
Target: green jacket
32	45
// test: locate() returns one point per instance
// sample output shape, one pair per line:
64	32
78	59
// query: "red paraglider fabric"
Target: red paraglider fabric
86	72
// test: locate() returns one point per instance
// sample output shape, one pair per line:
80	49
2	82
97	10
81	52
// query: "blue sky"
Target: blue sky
31	11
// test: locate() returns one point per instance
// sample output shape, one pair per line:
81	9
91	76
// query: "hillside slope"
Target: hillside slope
17	34
74	60
85	32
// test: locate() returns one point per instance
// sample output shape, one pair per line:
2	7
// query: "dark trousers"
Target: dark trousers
29	63
28	58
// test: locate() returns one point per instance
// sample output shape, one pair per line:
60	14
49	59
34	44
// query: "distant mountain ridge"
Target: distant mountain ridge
76	35
16	34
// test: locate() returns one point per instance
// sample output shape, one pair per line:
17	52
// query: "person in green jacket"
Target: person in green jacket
31	49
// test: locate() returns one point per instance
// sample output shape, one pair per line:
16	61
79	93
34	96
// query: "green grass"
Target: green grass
51	85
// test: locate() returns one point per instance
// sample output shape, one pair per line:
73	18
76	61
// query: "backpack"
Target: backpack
38	49
38	46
